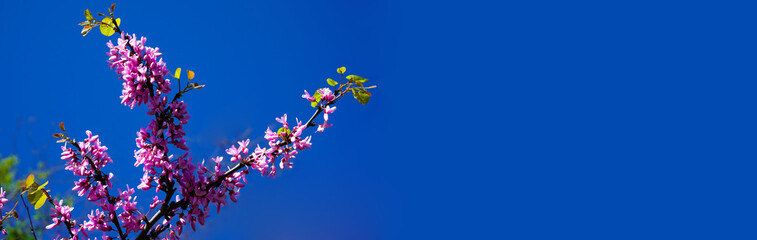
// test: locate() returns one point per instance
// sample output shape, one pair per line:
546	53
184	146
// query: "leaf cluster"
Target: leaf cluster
108	25
353	85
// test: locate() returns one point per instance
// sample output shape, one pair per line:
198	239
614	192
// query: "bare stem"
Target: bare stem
31	225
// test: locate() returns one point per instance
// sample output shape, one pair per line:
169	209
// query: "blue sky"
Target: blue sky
538	120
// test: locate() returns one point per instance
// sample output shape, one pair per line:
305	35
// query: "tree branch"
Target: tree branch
28	215
174	205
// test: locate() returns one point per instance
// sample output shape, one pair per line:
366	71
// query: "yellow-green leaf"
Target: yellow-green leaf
118	22
190	74
331	82
42	186
40	201
177	74
32	196
341	70
363	96
356	78
88	15
283	129
29	180
105	27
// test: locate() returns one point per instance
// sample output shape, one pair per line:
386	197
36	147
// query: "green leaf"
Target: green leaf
283	129
356	78
317	97
88	15
354	93
341	70
363	96
37	197
105	27
331	82
32	196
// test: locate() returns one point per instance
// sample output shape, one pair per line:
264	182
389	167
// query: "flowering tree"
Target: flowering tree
185	190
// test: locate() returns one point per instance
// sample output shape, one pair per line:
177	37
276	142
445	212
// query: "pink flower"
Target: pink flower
303	143
308	97
283	120
270	135
155	202
236	153
329	110
3	200
145	182
61	213
326	94
325	124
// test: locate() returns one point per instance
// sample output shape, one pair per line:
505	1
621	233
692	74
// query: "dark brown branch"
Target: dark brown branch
28	215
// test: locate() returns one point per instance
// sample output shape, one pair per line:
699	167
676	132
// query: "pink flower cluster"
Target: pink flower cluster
264	158
61	214
140	69
89	157
326	97
191	190
87	161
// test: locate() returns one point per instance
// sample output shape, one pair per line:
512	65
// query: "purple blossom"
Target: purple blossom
142	73
155	202
329	110
237	153
283	120
308	97
326	94
270	135
195	186
3	200
325	124
97	220
61	213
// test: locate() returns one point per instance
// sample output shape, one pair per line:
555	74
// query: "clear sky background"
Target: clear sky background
538	120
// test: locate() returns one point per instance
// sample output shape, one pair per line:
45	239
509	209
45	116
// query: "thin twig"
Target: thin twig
28	215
